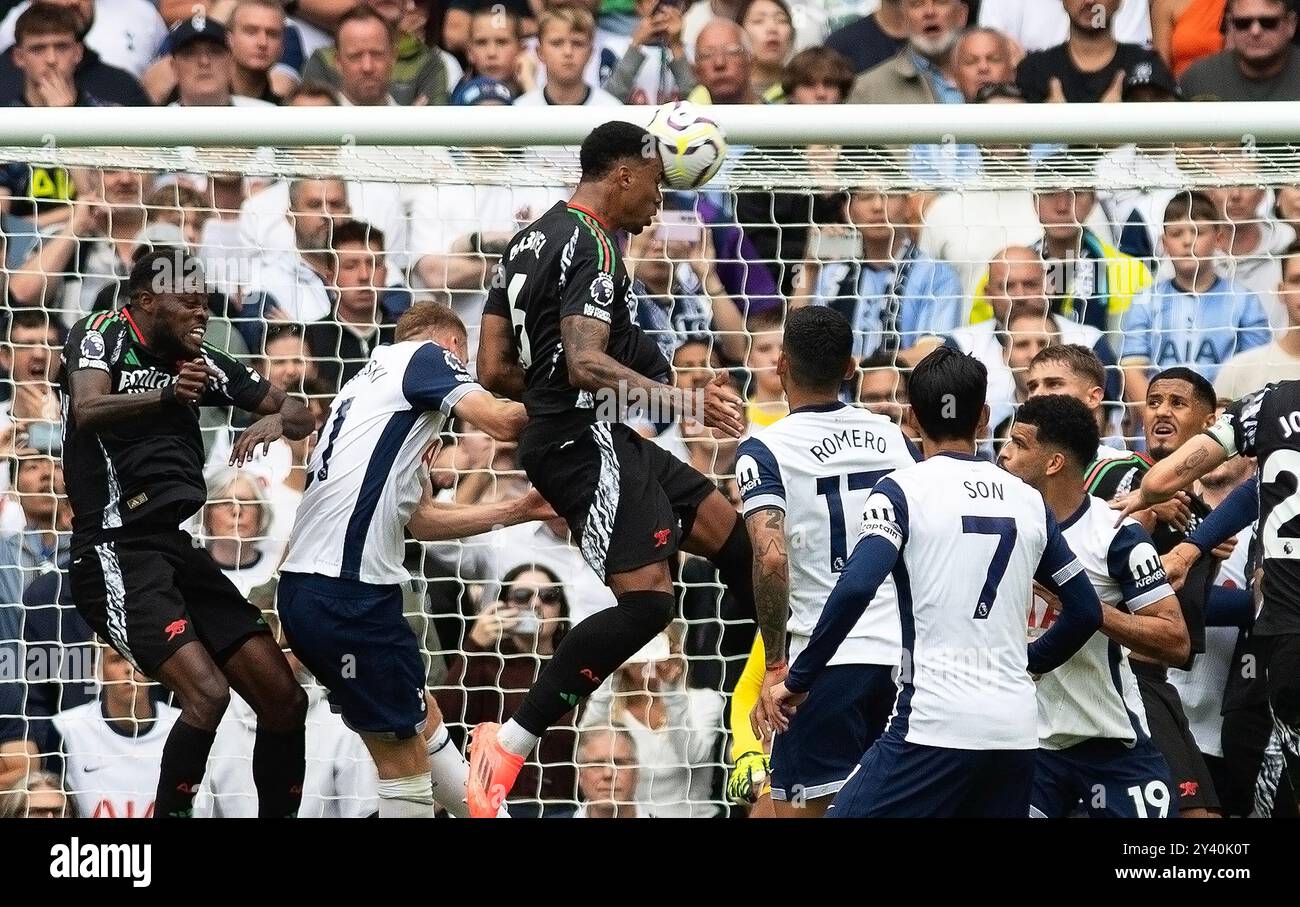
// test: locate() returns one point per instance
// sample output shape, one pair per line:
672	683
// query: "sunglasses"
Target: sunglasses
1267	23
523	595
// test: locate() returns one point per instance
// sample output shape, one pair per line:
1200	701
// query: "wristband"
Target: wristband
168	395
781	665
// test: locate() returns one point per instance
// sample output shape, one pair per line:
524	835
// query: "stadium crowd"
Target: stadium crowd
308	276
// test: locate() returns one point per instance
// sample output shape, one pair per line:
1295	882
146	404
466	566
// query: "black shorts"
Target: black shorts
1283	676
627	501
1193	784
147	596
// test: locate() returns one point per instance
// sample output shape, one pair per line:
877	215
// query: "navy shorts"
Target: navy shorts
846	710
354	638
1108	778
902	780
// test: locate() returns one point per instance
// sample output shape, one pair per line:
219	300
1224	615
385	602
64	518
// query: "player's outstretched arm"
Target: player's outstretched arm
95	406
1188	463
772	604
1157	631
501	420
498	361
592	369
439	521
282	417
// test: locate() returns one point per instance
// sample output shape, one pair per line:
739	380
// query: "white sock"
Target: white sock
449	771
514	739
406	798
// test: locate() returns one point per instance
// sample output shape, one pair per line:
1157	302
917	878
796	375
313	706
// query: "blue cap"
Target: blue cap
196	28
481	90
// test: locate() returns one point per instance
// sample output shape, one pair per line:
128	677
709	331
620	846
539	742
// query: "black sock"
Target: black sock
735	563
184	759
590	652
279	762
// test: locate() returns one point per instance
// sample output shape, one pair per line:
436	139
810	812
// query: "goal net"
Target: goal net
1154	235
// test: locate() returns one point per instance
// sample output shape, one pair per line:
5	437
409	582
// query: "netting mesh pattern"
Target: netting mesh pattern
911	244
950	164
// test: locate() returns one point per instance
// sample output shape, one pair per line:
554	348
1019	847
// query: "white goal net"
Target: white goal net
1001	230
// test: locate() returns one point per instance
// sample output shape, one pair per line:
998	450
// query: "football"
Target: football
691	144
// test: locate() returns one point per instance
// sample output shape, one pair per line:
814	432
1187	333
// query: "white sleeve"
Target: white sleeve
7	26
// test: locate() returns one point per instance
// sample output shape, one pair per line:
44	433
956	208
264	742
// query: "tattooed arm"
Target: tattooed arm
591	368
1180	469
771	580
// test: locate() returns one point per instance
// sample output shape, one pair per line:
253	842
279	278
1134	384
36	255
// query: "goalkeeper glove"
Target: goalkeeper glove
748	777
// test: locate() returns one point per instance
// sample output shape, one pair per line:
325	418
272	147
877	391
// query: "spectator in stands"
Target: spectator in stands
1017	285
700	13
1091	64
981	63
111	747
420	74
287	362
107	245
766	402
364	57
923	71
769	27
1184	31
817	75
1039	24
458	231
724	65
298	286
236	521
872	39
361	319
608	774
654	68
55	633
1088	279
890	292
882	387
707	450
43	542
203	66
678	292
1260	63
1195	318
29	359
42	798
496	51
565	35
503	652
678	731
1278	360
457	27
125	34
256	35
1253	240
20	757
92	77
1028	334
50	65
970	227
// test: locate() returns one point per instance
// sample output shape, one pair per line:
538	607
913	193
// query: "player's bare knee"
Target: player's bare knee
205	701
397	758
